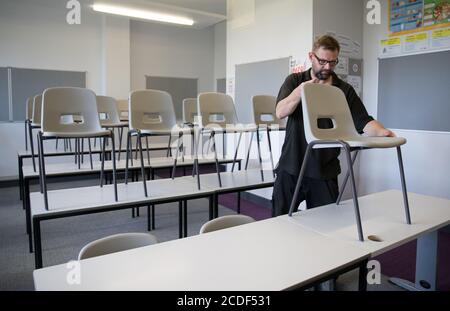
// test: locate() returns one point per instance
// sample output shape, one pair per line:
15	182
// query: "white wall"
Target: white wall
220	50
425	155
35	34
171	51
264	30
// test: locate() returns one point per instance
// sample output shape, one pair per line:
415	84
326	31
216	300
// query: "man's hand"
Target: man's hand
375	128
288	105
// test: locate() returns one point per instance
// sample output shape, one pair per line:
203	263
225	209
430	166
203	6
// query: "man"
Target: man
319	186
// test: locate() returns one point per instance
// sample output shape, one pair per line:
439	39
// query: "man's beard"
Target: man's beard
323	74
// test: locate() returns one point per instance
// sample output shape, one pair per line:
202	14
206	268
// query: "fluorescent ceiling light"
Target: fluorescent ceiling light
143	14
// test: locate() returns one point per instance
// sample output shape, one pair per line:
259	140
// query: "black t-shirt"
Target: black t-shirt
323	163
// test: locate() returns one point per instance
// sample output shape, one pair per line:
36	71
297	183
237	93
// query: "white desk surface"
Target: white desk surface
91	198
72	168
236	180
382	214
265	255
51	150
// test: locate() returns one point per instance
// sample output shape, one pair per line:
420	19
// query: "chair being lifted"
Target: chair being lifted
61	106
265	118
218	115
152	114
324	101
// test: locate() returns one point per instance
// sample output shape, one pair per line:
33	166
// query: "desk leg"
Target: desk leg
185	218
239	202
362	282
153	216
211	207
26	201
216	206
149	226
180	219
426	265
37	243
20	164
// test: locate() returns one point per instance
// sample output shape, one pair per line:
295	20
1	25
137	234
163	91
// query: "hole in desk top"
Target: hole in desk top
375	238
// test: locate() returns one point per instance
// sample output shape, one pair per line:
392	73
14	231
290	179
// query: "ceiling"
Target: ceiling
205	13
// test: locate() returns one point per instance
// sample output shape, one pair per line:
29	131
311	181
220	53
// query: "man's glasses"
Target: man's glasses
323	62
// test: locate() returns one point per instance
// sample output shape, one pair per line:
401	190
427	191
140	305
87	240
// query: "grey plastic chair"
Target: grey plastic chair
34	123
122	107
324	101
116	243
265	119
110	117
190	110
61	106
224	222
218	115
152	114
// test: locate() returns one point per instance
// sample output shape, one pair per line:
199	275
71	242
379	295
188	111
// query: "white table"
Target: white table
382	215
265	255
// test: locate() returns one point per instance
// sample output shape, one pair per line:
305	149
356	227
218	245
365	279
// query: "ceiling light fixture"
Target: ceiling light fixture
142	14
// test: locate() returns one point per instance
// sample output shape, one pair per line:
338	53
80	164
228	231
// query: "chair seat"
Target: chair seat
368	142
109	125
77	134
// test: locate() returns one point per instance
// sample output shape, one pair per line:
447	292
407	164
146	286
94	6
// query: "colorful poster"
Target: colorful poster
436	12
406	15
416	43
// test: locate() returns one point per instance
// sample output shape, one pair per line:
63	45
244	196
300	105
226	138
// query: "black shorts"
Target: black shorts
316	192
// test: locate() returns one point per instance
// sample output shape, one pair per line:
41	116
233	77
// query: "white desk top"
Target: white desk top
91	198
58	169
265	255
236	180
382	214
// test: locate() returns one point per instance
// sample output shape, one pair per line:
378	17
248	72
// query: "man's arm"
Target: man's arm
288	105
375	128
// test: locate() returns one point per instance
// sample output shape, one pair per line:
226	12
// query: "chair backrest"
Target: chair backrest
264	110
151	110
64	107
225	222
37	110
190	110
216	108
116	243
320	101
29	109
107	110
122	107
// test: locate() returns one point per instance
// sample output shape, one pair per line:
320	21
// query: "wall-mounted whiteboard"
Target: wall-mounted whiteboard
259	78
414	92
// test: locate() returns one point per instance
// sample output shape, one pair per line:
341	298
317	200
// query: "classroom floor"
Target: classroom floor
63	238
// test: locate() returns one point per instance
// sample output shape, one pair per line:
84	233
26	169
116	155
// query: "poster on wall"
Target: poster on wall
391	47
406	16
416	42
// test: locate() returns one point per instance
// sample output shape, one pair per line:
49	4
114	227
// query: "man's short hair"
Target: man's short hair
326	42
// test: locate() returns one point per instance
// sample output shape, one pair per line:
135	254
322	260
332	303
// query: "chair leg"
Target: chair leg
196	166
248	152
148	151
236	152
113	154
44	181
78	147
57	142
120	140
299	181
144	179
355	195
259	154
30	132
102	169
90	153
270	150
405	194
26	135
174	168
213	136
39	164
82	150
127	156
344	183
